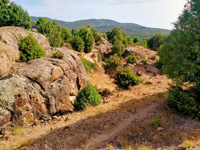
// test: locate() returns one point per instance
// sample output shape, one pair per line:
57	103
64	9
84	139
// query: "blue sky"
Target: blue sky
150	13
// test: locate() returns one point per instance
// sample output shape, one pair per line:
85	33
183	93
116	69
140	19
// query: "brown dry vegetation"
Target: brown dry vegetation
123	120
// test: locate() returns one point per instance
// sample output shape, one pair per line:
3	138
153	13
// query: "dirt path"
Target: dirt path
92	132
140	115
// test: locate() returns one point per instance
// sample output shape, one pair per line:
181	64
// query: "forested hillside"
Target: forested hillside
104	25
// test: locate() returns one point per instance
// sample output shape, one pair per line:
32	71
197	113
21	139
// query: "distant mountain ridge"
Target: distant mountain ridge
103	25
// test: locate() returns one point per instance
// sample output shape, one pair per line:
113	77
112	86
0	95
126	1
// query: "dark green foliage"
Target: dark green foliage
105	36
130	41
56	35
88	65
118	48
158	64
126	78
112	63
13	15
116	35
65	35
87	37
87	96
77	43
58	55
30	49
136	39
144	61
185	101
74	32
99	57
142	43
155	42
41	21
33	23
131	59
97	36
180	56
156	123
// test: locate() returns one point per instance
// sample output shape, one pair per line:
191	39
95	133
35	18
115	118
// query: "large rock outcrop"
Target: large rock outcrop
39	88
9	53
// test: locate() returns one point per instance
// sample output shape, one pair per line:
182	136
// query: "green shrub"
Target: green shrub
131	59
99	57
118	48
136	39
87	96
112	63
88	65
142	43
105	36
97	36
126	78
157	122
58	55
154	57
184	100
160	95
70	47
155	42
129	40
30	49
77	43
87	38
12	14
144	61
158	64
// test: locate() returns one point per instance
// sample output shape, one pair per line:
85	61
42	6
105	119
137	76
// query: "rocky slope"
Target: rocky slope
36	90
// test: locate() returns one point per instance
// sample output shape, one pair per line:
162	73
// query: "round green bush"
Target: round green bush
77	43
30	49
131	59
184	100
87	96
112	63
118	48
126	78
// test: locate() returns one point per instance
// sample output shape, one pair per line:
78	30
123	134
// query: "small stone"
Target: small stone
154	74
160	129
140	73
133	111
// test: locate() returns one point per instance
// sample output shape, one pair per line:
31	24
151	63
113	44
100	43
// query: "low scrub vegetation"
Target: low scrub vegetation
30	49
131	59
99	57
118	48
87	96
88	65
58	55
144	61
155	42
77	43
112	63
157	122
126	78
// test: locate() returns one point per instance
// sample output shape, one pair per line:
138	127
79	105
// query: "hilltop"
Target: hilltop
104	25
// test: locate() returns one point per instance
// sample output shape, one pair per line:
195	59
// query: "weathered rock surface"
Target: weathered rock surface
9	38
40	88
